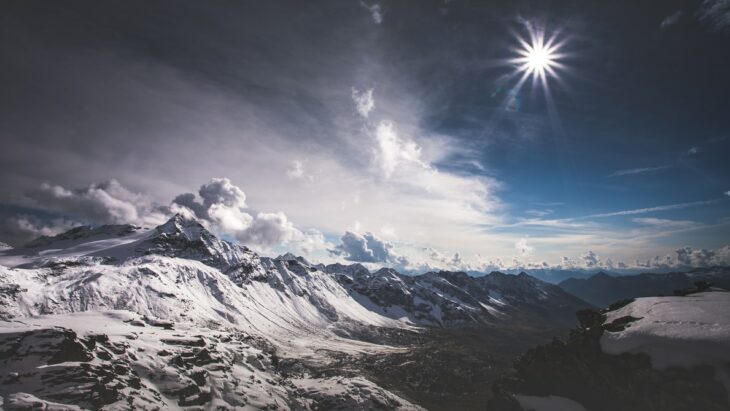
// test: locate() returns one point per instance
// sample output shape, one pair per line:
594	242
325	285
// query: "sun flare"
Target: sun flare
539	56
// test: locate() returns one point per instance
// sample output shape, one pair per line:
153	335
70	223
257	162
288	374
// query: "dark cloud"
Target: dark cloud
690	257
107	202
715	13
20	229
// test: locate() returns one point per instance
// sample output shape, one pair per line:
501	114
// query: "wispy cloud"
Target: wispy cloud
663	222
715	13
671	20
540	213
653	209
375	11
641	170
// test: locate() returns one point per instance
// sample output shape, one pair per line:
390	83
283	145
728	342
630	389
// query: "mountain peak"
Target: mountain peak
181	225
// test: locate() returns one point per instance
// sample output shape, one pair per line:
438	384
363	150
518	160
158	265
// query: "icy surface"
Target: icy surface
676	331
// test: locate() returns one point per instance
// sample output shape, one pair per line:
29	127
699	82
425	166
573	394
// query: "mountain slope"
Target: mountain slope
457	299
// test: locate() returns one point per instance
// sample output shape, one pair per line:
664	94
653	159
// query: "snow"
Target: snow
676	331
362	394
551	403
103	243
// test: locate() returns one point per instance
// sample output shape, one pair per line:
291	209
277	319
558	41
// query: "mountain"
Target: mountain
456	299
175	317
602	289
652	353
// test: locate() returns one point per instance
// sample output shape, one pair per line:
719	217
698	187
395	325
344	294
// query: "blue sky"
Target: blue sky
397	123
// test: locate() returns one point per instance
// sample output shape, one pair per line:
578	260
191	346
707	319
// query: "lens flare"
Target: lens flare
538	56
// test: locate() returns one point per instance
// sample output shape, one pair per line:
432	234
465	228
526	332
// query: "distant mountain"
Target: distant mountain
176	317
602	289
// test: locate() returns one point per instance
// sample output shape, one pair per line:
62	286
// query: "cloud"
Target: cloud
690	257
727	193
715	13
671	20
20	229
523	248
393	152
663	223
632	171
590	259
366	248
540	213
221	204
364	101
693	150
375	11
105	203
296	171
268	229
652	209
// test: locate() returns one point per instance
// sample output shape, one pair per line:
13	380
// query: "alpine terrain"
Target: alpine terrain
123	317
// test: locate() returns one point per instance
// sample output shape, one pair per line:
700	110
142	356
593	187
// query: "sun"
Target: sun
538	57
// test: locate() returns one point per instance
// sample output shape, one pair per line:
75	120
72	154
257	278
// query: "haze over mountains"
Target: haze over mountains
603	289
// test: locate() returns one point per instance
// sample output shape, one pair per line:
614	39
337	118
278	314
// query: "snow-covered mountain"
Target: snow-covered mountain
456	299
129	318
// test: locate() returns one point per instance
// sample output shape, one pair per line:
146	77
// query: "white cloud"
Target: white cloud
268	229
652	209
523	248
663	223
392	151
296	171
540	213
364	101
632	171
223	206
727	193
375	11
366	248
693	150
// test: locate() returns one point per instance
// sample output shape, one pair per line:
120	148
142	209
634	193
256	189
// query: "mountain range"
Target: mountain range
175	317
603	289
